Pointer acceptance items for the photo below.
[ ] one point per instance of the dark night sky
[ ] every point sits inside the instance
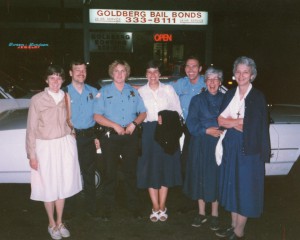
(271, 36)
(268, 31)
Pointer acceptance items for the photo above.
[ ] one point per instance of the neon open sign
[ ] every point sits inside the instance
(163, 37)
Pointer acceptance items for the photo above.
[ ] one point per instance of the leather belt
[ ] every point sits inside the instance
(88, 132)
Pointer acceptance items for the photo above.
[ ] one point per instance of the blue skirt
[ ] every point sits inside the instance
(155, 167)
(201, 178)
(241, 178)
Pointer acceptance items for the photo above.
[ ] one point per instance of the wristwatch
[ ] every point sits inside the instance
(134, 123)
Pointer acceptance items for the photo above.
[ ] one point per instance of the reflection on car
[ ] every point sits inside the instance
(138, 81)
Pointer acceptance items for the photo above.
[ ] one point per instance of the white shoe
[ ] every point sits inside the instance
(54, 232)
(64, 232)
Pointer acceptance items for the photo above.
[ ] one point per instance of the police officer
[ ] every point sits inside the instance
(82, 98)
(186, 88)
(120, 109)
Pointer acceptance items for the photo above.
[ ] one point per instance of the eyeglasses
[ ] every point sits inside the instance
(212, 79)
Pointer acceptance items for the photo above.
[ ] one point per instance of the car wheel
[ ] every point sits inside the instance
(98, 182)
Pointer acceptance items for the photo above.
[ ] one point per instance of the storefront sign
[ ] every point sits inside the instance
(110, 41)
(114, 16)
(28, 46)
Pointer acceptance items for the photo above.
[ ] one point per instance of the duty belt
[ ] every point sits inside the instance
(88, 132)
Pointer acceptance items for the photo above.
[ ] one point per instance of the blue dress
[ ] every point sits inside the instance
(201, 181)
(155, 167)
(242, 171)
(241, 177)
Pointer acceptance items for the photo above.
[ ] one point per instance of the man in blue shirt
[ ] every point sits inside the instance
(190, 85)
(186, 88)
(120, 109)
(82, 98)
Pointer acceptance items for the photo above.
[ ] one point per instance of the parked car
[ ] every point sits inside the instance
(12, 95)
(140, 81)
(14, 166)
(285, 138)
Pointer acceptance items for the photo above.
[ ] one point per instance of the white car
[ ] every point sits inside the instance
(14, 166)
(285, 138)
(13, 96)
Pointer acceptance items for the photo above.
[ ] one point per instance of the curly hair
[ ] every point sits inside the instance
(117, 62)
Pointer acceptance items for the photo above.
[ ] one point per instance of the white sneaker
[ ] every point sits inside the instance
(54, 232)
(64, 232)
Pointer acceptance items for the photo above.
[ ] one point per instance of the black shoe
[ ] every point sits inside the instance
(214, 223)
(225, 233)
(199, 220)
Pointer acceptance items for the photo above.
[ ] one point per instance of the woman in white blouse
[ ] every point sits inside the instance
(157, 170)
(246, 148)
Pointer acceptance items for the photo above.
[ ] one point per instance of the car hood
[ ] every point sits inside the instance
(13, 119)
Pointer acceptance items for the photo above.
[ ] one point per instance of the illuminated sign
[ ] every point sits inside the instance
(163, 37)
(112, 16)
(110, 41)
(28, 46)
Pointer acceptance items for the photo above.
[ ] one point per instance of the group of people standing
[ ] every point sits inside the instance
(226, 142)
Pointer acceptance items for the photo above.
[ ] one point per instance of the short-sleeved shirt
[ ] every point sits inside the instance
(82, 106)
(186, 90)
(163, 98)
(121, 107)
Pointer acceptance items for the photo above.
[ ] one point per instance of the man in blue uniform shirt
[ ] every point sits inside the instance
(120, 109)
(82, 98)
(186, 88)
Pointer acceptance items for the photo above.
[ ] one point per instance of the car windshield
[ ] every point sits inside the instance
(13, 119)
(10, 86)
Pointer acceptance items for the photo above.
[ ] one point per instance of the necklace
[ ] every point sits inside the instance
(240, 108)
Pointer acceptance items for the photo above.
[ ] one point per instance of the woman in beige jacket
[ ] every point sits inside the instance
(52, 152)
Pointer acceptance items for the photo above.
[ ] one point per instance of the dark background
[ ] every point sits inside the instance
(267, 31)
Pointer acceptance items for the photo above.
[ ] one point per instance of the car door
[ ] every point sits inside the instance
(285, 148)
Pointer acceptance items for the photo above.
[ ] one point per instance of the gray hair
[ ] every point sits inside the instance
(248, 62)
(211, 71)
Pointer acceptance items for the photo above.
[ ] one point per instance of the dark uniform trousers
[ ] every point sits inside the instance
(113, 147)
(87, 160)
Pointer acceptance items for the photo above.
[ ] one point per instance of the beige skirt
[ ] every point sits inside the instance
(58, 175)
